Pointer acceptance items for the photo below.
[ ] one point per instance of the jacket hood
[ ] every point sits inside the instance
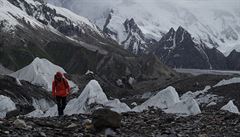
(59, 75)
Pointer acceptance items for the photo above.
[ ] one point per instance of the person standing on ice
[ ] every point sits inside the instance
(60, 90)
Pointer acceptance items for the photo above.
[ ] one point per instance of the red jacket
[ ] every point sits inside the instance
(60, 88)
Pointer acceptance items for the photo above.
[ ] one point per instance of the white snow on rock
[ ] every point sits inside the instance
(163, 99)
(227, 82)
(211, 104)
(168, 100)
(36, 113)
(41, 72)
(89, 72)
(51, 112)
(6, 105)
(230, 107)
(116, 105)
(91, 95)
(147, 95)
(18, 82)
(134, 104)
(185, 107)
(42, 104)
(201, 96)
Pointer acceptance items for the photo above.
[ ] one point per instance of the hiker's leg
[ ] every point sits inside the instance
(59, 104)
(64, 103)
(61, 107)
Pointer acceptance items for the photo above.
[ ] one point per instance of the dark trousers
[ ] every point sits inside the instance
(61, 103)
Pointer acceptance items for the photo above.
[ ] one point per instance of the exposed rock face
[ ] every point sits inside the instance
(105, 118)
(135, 41)
(131, 38)
(234, 60)
(178, 49)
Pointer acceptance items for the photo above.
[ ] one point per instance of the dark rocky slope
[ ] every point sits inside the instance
(178, 50)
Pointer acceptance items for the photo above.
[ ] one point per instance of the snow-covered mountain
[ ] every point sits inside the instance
(215, 23)
(40, 15)
(178, 50)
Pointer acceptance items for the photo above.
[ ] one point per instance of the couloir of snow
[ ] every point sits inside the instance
(227, 82)
(41, 72)
(168, 100)
(230, 107)
(6, 105)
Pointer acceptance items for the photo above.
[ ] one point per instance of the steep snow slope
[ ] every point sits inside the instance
(214, 22)
(41, 72)
(45, 16)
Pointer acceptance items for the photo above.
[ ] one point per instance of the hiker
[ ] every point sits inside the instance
(60, 90)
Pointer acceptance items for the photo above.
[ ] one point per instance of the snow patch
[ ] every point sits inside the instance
(91, 94)
(6, 105)
(185, 107)
(211, 104)
(42, 104)
(41, 72)
(227, 82)
(18, 82)
(163, 99)
(117, 106)
(168, 100)
(201, 96)
(36, 113)
(230, 107)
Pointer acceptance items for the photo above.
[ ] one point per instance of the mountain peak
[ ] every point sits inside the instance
(171, 31)
(180, 29)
